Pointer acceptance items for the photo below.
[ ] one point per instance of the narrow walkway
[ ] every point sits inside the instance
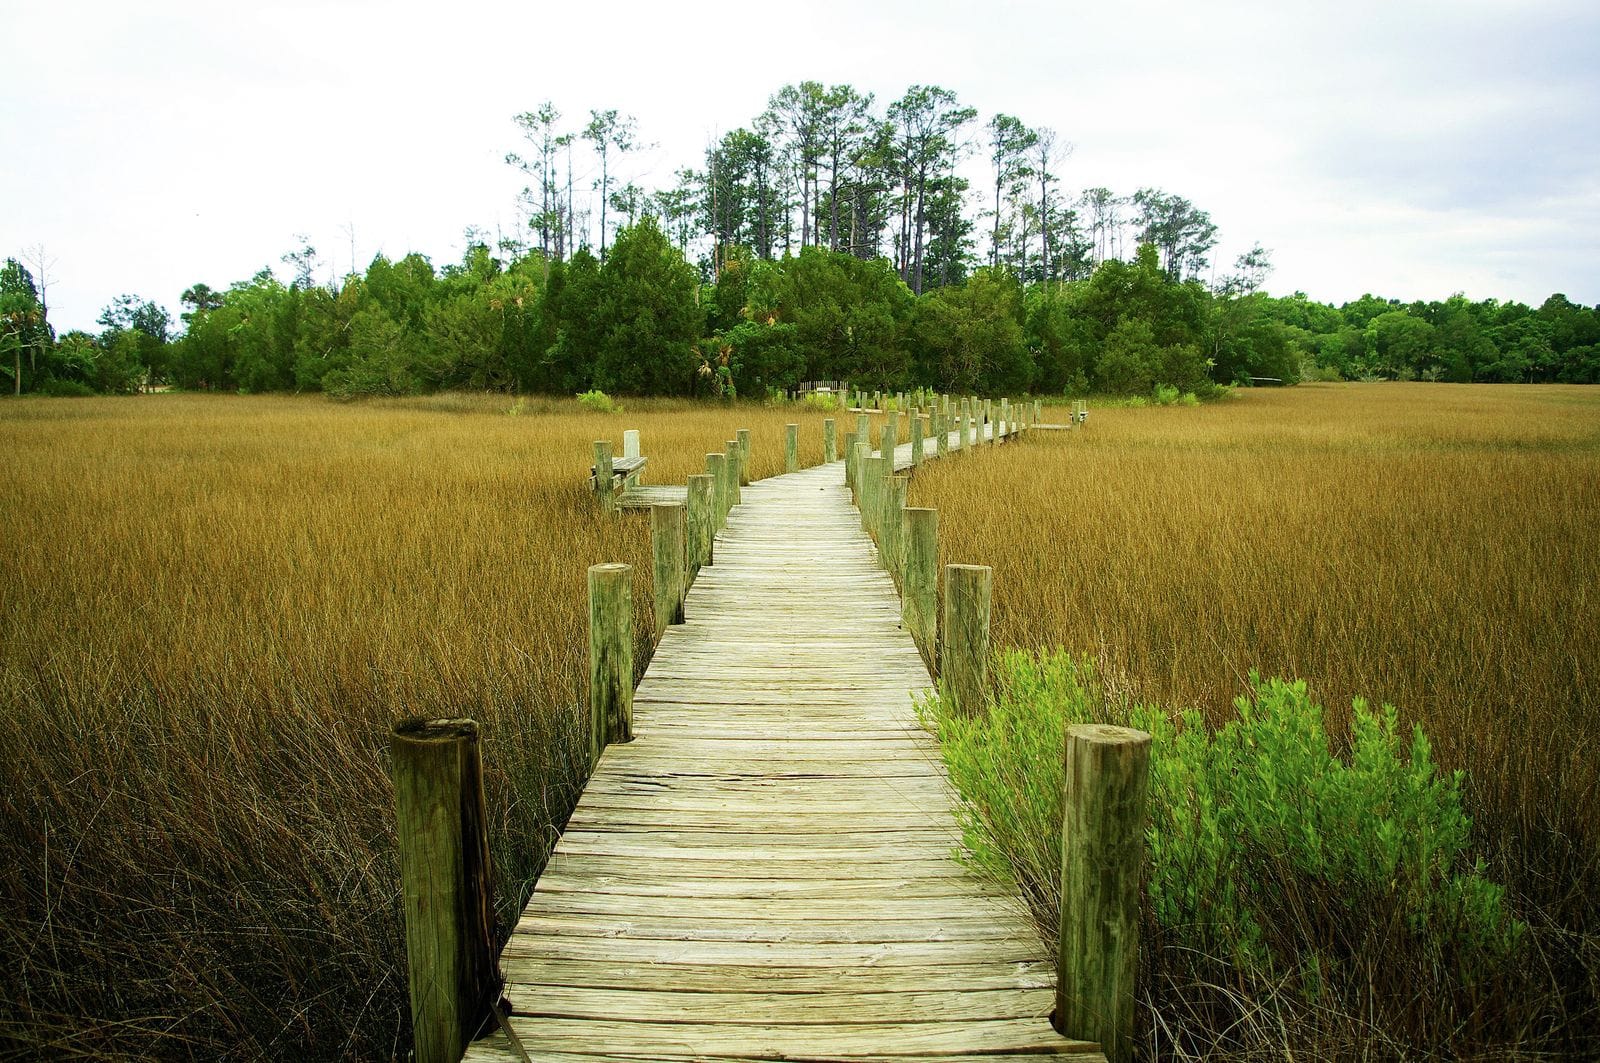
(767, 870)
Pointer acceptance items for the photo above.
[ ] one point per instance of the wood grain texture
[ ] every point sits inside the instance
(769, 869)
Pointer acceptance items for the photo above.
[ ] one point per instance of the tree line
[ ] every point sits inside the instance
(829, 238)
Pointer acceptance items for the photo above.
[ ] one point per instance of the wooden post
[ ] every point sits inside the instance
(964, 651)
(735, 496)
(445, 884)
(830, 445)
(744, 456)
(875, 489)
(717, 466)
(941, 433)
(630, 443)
(610, 657)
(850, 463)
(891, 435)
(890, 523)
(791, 448)
(919, 568)
(602, 474)
(863, 428)
(859, 486)
(1102, 858)
(916, 439)
(701, 519)
(668, 557)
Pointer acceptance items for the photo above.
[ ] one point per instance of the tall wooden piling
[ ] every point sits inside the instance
(735, 460)
(668, 552)
(964, 642)
(919, 572)
(875, 477)
(1102, 858)
(603, 471)
(791, 448)
(859, 484)
(717, 466)
(610, 656)
(891, 435)
(917, 435)
(830, 446)
(890, 525)
(441, 828)
(702, 522)
(744, 456)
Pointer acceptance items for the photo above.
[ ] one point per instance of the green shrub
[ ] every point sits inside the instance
(66, 389)
(1188, 398)
(597, 401)
(821, 401)
(1166, 395)
(1267, 851)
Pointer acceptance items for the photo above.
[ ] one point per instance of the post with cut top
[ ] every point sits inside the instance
(603, 471)
(859, 484)
(941, 433)
(610, 657)
(735, 496)
(964, 645)
(873, 491)
(446, 888)
(919, 567)
(630, 443)
(791, 448)
(701, 520)
(744, 456)
(890, 525)
(863, 428)
(850, 463)
(830, 445)
(668, 557)
(916, 439)
(717, 466)
(891, 434)
(1102, 858)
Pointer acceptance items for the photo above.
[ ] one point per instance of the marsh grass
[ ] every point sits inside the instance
(213, 609)
(1436, 547)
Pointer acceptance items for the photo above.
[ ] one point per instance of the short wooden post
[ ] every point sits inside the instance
(890, 523)
(891, 435)
(1102, 858)
(830, 444)
(630, 443)
(701, 519)
(446, 888)
(744, 456)
(916, 439)
(791, 448)
(668, 558)
(863, 428)
(735, 496)
(603, 471)
(919, 568)
(717, 466)
(964, 649)
(610, 657)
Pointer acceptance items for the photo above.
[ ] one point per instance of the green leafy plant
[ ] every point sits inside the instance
(597, 401)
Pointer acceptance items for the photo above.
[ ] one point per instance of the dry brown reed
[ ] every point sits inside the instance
(1432, 546)
(213, 608)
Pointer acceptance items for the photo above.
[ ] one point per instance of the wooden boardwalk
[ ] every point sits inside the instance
(767, 870)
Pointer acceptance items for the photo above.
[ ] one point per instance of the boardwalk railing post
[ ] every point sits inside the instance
(850, 462)
(735, 460)
(891, 435)
(717, 466)
(890, 525)
(964, 642)
(863, 455)
(610, 657)
(1102, 857)
(791, 448)
(603, 472)
(919, 587)
(875, 488)
(443, 837)
(668, 563)
(744, 456)
(830, 445)
(916, 438)
(941, 432)
(701, 518)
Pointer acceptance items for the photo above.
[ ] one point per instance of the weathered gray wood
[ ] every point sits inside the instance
(610, 656)
(1102, 858)
(919, 587)
(604, 489)
(891, 524)
(889, 438)
(701, 517)
(850, 462)
(878, 472)
(917, 433)
(941, 432)
(717, 467)
(791, 448)
(744, 456)
(863, 428)
(668, 550)
(964, 641)
(446, 885)
(734, 462)
(830, 446)
(630, 444)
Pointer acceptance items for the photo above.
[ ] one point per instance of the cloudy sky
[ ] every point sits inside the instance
(1410, 149)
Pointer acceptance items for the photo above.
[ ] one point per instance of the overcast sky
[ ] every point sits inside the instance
(1403, 148)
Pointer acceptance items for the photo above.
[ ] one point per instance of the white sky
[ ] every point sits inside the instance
(1410, 149)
